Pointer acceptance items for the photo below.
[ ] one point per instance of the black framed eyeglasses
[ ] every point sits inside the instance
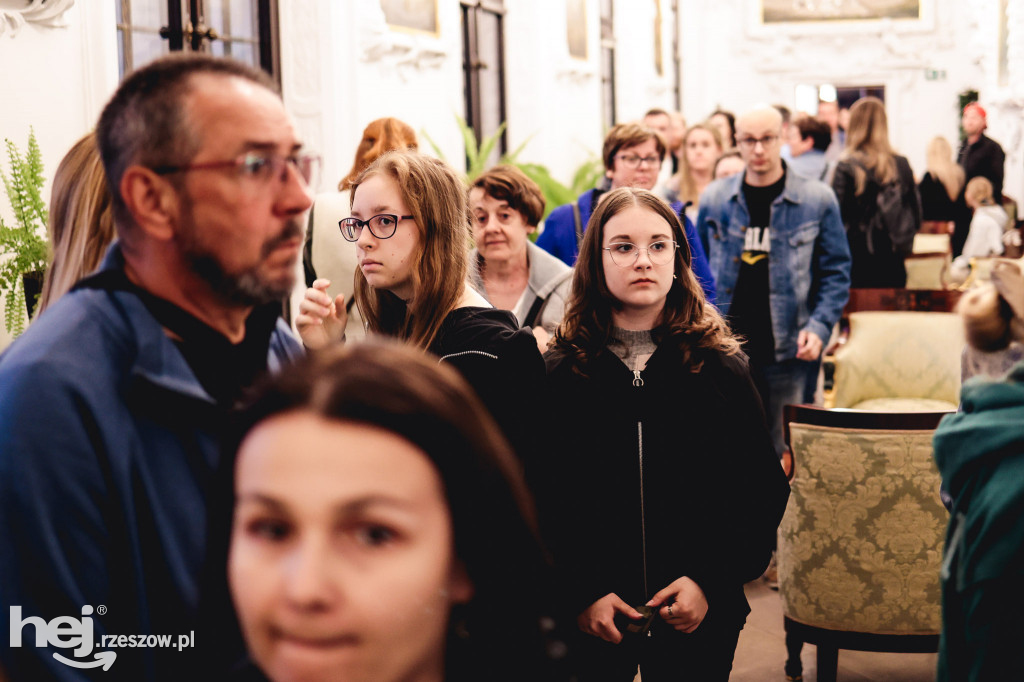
(261, 167)
(749, 143)
(382, 226)
(634, 161)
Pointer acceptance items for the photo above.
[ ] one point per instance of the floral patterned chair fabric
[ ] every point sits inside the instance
(860, 545)
(900, 361)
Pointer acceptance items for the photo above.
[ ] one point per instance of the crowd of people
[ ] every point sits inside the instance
(546, 460)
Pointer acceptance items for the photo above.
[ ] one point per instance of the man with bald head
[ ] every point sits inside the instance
(781, 263)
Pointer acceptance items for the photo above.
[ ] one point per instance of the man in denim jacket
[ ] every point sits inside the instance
(781, 263)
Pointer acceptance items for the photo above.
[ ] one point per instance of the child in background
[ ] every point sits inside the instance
(986, 234)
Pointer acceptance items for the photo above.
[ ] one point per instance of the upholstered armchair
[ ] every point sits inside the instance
(899, 362)
(928, 265)
(860, 545)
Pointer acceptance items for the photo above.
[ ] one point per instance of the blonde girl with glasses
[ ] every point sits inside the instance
(410, 222)
(662, 492)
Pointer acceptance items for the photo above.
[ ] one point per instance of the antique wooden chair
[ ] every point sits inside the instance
(860, 545)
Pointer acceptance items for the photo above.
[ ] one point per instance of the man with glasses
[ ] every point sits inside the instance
(633, 154)
(780, 259)
(113, 402)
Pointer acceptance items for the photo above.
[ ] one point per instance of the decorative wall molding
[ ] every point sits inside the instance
(43, 12)
(379, 43)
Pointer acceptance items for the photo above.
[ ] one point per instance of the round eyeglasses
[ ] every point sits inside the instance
(625, 254)
(382, 226)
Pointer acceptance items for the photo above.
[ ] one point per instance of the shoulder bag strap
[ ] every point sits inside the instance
(531, 317)
(579, 224)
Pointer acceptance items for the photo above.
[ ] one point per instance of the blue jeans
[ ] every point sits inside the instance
(781, 384)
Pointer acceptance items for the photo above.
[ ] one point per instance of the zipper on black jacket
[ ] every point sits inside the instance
(643, 508)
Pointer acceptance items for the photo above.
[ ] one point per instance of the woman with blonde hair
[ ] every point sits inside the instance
(943, 179)
(878, 198)
(657, 418)
(326, 255)
(701, 148)
(411, 227)
(81, 224)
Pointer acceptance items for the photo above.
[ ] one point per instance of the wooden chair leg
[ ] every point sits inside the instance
(828, 663)
(794, 666)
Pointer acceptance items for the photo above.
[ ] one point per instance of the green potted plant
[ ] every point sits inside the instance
(23, 245)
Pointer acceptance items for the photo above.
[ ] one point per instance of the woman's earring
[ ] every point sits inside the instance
(675, 276)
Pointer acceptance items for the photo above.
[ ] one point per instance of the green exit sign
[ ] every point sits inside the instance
(935, 74)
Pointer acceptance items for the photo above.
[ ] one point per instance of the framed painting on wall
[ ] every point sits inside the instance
(419, 16)
(789, 11)
(576, 21)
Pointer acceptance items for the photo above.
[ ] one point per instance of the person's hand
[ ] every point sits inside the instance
(321, 321)
(808, 345)
(599, 618)
(542, 338)
(682, 604)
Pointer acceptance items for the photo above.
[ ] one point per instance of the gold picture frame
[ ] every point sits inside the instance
(412, 16)
(576, 25)
(788, 12)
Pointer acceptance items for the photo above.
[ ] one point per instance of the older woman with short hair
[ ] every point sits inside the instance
(509, 270)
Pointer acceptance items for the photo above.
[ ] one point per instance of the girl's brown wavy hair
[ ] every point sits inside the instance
(687, 318)
(436, 198)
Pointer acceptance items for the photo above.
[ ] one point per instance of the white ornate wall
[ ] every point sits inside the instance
(55, 76)
(732, 60)
(342, 67)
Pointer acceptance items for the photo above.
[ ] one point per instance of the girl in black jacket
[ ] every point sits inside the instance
(662, 489)
(411, 227)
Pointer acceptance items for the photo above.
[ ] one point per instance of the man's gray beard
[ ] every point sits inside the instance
(245, 288)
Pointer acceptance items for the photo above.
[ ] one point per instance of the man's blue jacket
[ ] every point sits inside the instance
(108, 447)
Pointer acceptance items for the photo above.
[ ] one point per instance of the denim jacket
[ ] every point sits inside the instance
(809, 265)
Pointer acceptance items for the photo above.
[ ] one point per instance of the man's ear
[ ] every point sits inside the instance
(152, 201)
(460, 587)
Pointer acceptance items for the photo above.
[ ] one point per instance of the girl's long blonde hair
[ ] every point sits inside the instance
(940, 164)
(683, 178)
(436, 198)
(867, 141)
(81, 222)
